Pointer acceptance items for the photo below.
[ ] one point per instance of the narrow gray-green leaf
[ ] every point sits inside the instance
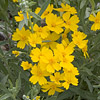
(21, 24)
(45, 5)
(25, 18)
(4, 80)
(92, 4)
(5, 96)
(18, 83)
(89, 84)
(35, 16)
(82, 4)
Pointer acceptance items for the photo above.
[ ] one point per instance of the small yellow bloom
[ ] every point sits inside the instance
(15, 0)
(36, 98)
(52, 37)
(69, 79)
(51, 62)
(47, 11)
(71, 22)
(26, 65)
(41, 31)
(21, 16)
(96, 20)
(38, 75)
(16, 53)
(37, 10)
(84, 50)
(78, 39)
(66, 8)
(54, 23)
(51, 87)
(22, 37)
(56, 78)
(34, 39)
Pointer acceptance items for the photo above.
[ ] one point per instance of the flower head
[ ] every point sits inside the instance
(21, 16)
(67, 8)
(51, 87)
(16, 53)
(54, 23)
(22, 37)
(34, 39)
(38, 75)
(26, 65)
(70, 22)
(96, 20)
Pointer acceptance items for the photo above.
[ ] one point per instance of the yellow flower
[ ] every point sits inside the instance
(34, 39)
(71, 70)
(62, 51)
(70, 22)
(66, 8)
(26, 65)
(84, 50)
(15, 0)
(47, 11)
(50, 61)
(21, 16)
(96, 20)
(37, 53)
(65, 40)
(69, 79)
(56, 78)
(54, 23)
(16, 53)
(51, 87)
(36, 98)
(41, 31)
(52, 37)
(37, 10)
(22, 37)
(66, 61)
(78, 39)
(38, 75)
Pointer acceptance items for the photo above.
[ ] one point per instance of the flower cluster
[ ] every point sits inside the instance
(52, 50)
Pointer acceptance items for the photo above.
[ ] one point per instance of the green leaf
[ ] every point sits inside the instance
(5, 96)
(25, 18)
(18, 83)
(3, 88)
(45, 5)
(3, 68)
(89, 84)
(82, 4)
(4, 80)
(83, 93)
(65, 95)
(92, 4)
(35, 16)
(21, 24)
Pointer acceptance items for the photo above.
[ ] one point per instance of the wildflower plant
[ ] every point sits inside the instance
(52, 52)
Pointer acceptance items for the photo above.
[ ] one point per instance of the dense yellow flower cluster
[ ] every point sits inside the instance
(52, 50)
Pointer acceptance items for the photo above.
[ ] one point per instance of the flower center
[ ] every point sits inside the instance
(97, 21)
(53, 24)
(68, 23)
